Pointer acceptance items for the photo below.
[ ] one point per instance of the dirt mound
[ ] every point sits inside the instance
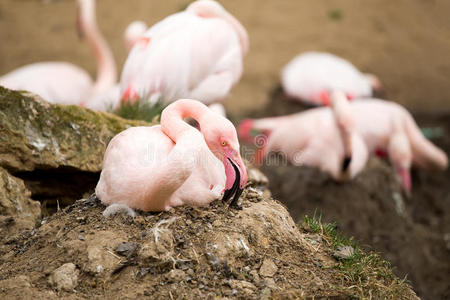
(412, 233)
(254, 253)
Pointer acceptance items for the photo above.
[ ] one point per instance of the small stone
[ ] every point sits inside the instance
(270, 283)
(126, 249)
(81, 237)
(268, 268)
(247, 288)
(65, 277)
(266, 294)
(344, 252)
(176, 275)
(255, 275)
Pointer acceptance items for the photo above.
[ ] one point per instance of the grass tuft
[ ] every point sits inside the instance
(366, 274)
(140, 109)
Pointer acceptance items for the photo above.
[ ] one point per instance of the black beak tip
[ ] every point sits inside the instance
(346, 163)
(235, 189)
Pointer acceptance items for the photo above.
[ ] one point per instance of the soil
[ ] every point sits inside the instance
(188, 253)
(412, 233)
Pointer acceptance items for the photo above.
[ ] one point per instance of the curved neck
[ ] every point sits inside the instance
(106, 66)
(344, 119)
(172, 118)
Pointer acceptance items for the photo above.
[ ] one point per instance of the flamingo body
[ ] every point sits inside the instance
(56, 82)
(185, 55)
(65, 83)
(309, 75)
(155, 160)
(159, 167)
(311, 138)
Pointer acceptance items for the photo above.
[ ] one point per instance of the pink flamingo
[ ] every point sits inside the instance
(311, 76)
(65, 83)
(320, 137)
(159, 167)
(366, 127)
(389, 127)
(195, 54)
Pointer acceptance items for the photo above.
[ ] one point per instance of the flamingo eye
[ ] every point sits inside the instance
(224, 143)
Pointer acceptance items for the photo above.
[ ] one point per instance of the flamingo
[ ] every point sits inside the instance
(321, 137)
(63, 82)
(163, 166)
(388, 127)
(366, 127)
(195, 54)
(311, 76)
(134, 31)
(109, 99)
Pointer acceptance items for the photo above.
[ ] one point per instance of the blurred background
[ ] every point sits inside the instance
(405, 42)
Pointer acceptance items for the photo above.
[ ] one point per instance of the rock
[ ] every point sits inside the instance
(242, 286)
(268, 268)
(65, 277)
(17, 210)
(175, 276)
(126, 249)
(270, 283)
(20, 287)
(344, 252)
(255, 176)
(40, 135)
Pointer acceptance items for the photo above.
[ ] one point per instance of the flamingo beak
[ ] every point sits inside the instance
(236, 189)
(236, 177)
(405, 179)
(348, 153)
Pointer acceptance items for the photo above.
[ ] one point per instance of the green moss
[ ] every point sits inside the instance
(35, 132)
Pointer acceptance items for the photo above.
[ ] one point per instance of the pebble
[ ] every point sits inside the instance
(176, 275)
(344, 252)
(268, 268)
(126, 249)
(65, 277)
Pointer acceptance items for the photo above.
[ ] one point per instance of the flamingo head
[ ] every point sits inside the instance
(212, 9)
(133, 33)
(375, 83)
(221, 138)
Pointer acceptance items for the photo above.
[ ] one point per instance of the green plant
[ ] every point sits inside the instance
(140, 109)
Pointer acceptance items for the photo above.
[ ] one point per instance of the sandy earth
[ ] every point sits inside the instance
(405, 42)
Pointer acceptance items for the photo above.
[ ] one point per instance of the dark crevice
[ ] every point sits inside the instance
(61, 186)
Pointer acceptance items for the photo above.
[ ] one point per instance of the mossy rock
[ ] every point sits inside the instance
(35, 134)
(49, 153)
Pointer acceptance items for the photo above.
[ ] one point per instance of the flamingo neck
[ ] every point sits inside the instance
(172, 118)
(341, 111)
(106, 66)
